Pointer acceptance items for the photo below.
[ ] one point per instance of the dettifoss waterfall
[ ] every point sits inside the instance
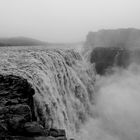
(63, 85)
(68, 94)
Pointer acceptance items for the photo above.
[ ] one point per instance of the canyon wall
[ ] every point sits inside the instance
(109, 48)
(129, 38)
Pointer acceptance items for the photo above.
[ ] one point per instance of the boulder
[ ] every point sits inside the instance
(3, 110)
(61, 138)
(33, 129)
(57, 132)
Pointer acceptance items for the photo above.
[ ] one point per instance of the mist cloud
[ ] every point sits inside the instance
(117, 107)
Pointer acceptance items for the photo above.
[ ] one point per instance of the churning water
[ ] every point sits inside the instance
(117, 109)
(65, 88)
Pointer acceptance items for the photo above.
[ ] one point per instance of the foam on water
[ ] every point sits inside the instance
(117, 109)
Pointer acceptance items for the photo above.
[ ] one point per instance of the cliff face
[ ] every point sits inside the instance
(105, 58)
(16, 105)
(108, 48)
(129, 38)
(63, 85)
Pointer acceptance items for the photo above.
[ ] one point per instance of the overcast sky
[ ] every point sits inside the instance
(65, 20)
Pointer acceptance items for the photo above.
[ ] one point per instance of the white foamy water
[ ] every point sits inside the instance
(63, 84)
(65, 93)
(117, 109)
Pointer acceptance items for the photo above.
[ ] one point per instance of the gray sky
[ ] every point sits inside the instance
(65, 20)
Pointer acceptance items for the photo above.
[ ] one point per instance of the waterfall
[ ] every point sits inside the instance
(63, 84)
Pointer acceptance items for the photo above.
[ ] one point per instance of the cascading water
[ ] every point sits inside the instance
(63, 84)
(117, 108)
(67, 97)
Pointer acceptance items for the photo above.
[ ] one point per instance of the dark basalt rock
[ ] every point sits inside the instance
(17, 117)
(27, 138)
(61, 138)
(105, 58)
(16, 104)
(57, 132)
(34, 129)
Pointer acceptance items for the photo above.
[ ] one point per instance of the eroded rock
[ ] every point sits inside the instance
(14, 113)
(17, 118)
(34, 129)
(57, 132)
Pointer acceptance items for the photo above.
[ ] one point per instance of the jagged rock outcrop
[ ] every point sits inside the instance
(45, 90)
(17, 114)
(107, 48)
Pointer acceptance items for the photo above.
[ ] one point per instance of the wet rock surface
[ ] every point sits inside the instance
(16, 104)
(17, 118)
